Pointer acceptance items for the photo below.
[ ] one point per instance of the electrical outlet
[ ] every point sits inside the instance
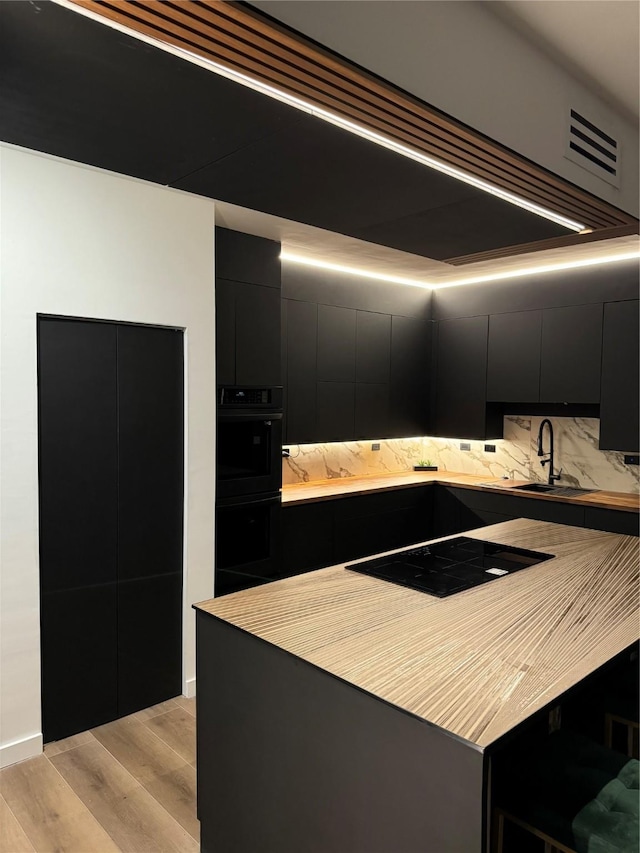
(285, 452)
(489, 448)
(375, 446)
(631, 459)
(464, 445)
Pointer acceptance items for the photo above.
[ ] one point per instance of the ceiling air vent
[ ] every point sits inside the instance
(592, 148)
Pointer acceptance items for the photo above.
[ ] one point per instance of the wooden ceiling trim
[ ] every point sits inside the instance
(541, 245)
(240, 39)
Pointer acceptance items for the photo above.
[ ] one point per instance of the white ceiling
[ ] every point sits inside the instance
(598, 41)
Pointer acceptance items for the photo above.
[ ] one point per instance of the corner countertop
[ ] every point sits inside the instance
(475, 664)
(349, 486)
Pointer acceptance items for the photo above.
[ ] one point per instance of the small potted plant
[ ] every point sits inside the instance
(425, 465)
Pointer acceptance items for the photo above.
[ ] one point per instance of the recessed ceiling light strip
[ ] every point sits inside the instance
(335, 119)
(327, 265)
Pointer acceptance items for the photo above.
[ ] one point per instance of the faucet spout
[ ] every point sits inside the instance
(541, 451)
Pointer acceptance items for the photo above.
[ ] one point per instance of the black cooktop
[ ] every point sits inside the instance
(445, 568)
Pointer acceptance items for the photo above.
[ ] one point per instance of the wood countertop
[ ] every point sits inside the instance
(477, 663)
(350, 486)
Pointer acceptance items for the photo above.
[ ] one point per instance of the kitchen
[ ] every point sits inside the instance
(119, 268)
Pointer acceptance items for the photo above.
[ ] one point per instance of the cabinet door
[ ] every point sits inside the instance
(513, 361)
(150, 450)
(244, 257)
(461, 379)
(79, 659)
(372, 411)
(225, 332)
(257, 335)
(336, 344)
(149, 642)
(410, 369)
(78, 446)
(619, 424)
(373, 347)
(307, 537)
(302, 354)
(336, 411)
(598, 518)
(571, 354)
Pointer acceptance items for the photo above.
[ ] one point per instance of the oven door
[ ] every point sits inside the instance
(247, 542)
(249, 453)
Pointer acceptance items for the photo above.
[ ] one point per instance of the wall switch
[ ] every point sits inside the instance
(631, 459)
(285, 452)
(489, 448)
(375, 446)
(464, 445)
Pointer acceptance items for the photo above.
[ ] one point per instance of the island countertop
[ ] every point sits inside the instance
(475, 664)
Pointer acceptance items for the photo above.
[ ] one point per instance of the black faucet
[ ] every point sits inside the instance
(541, 452)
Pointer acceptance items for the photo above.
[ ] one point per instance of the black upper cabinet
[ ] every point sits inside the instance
(513, 362)
(336, 411)
(409, 377)
(248, 310)
(150, 447)
(372, 410)
(571, 354)
(619, 426)
(461, 379)
(336, 344)
(300, 381)
(78, 436)
(373, 347)
(257, 335)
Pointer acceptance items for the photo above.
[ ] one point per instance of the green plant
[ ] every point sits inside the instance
(425, 463)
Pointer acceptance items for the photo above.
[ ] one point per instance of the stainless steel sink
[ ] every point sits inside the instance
(561, 491)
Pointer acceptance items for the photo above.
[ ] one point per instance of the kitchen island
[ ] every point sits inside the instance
(345, 714)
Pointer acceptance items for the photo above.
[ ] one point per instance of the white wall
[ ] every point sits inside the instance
(81, 242)
(464, 60)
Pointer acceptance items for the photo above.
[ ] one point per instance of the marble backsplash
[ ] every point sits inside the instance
(575, 450)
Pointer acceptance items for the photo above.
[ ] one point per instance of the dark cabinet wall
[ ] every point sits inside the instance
(301, 346)
(111, 509)
(619, 424)
(513, 361)
(373, 347)
(410, 377)
(248, 310)
(571, 354)
(336, 344)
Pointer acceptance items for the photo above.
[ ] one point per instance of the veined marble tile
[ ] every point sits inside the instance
(575, 451)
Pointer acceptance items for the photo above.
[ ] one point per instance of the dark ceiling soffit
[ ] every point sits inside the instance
(246, 41)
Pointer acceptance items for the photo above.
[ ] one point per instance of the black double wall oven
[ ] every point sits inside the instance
(248, 482)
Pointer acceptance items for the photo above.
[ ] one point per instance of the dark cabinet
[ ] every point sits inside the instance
(335, 418)
(513, 360)
(307, 537)
(619, 425)
(410, 370)
(248, 310)
(373, 347)
(613, 521)
(461, 380)
(110, 403)
(371, 411)
(571, 354)
(301, 377)
(336, 344)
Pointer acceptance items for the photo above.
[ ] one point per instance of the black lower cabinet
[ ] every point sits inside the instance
(613, 521)
(307, 537)
(79, 659)
(149, 641)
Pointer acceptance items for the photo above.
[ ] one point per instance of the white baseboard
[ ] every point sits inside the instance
(19, 750)
(190, 688)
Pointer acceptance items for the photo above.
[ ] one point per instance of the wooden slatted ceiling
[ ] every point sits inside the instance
(240, 39)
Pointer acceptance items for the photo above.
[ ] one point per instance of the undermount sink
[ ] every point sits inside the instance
(565, 491)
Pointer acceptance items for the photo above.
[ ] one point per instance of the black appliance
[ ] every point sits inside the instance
(249, 441)
(444, 568)
(248, 481)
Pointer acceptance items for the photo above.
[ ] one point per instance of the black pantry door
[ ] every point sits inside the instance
(110, 400)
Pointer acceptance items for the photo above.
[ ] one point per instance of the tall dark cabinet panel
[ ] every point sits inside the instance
(257, 335)
(410, 367)
(571, 354)
(301, 378)
(336, 344)
(336, 403)
(619, 423)
(225, 331)
(111, 444)
(461, 381)
(513, 362)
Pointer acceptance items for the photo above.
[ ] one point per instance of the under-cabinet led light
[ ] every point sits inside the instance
(480, 279)
(335, 119)
(325, 265)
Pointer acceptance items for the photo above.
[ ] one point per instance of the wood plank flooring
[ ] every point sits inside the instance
(125, 787)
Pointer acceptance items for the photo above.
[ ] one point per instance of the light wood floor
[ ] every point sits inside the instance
(127, 786)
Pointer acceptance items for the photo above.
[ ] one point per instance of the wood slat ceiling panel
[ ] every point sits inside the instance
(241, 40)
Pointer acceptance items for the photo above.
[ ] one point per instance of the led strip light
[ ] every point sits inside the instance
(335, 119)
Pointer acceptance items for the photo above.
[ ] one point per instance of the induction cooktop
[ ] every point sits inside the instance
(444, 568)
